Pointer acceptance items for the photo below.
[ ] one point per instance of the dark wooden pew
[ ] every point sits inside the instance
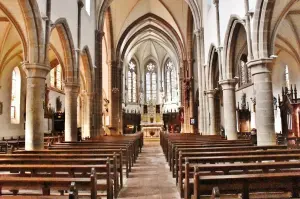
(247, 183)
(46, 184)
(175, 160)
(126, 158)
(189, 170)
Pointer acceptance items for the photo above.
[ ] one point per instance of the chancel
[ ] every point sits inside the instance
(149, 99)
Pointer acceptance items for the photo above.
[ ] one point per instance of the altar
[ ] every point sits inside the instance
(151, 130)
(152, 123)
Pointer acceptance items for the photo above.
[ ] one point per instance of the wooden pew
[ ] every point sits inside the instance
(230, 169)
(247, 183)
(46, 184)
(112, 157)
(73, 194)
(126, 160)
(104, 165)
(183, 155)
(218, 149)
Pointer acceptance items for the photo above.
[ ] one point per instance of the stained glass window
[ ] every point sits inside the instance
(52, 77)
(56, 77)
(151, 83)
(287, 76)
(15, 96)
(132, 82)
(245, 73)
(170, 81)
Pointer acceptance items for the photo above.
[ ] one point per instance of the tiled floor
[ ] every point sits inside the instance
(150, 176)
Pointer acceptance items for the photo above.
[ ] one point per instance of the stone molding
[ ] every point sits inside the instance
(210, 93)
(259, 66)
(228, 84)
(36, 70)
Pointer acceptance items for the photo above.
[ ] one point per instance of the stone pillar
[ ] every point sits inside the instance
(228, 87)
(198, 34)
(97, 103)
(211, 105)
(89, 114)
(71, 94)
(35, 103)
(264, 100)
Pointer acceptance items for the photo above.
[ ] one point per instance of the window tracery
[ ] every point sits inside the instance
(56, 77)
(132, 82)
(151, 82)
(170, 81)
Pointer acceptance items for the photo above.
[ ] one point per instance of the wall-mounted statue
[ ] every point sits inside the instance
(58, 104)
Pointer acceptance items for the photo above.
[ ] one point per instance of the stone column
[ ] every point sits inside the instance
(198, 34)
(228, 87)
(211, 105)
(71, 94)
(264, 100)
(35, 103)
(97, 103)
(89, 114)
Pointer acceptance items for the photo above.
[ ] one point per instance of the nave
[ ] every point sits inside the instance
(150, 177)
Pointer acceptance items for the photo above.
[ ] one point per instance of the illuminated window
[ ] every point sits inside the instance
(56, 77)
(132, 81)
(52, 78)
(287, 76)
(88, 6)
(151, 85)
(245, 73)
(15, 96)
(170, 81)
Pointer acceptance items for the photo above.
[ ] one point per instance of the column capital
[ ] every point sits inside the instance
(262, 65)
(34, 70)
(71, 87)
(199, 32)
(210, 93)
(228, 84)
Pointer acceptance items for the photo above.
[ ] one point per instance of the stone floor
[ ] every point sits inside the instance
(150, 176)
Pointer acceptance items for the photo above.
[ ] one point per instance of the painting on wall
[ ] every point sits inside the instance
(1, 108)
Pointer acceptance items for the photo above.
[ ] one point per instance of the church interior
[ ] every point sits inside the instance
(149, 99)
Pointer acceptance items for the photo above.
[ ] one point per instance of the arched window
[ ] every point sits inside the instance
(170, 81)
(286, 76)
(151, 86)
(132, 82)
(56, 77)
(245, 74)
(15, 96)
(88, 6)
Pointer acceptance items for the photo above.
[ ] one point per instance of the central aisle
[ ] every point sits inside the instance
(150, 176)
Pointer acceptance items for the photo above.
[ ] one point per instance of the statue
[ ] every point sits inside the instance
(58, 104)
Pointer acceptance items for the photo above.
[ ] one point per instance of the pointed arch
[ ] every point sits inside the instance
(88, 68)
(211, 66)
(231, 38)
(66, 40)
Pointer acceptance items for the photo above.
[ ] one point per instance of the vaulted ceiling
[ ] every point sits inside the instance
(288, 32)
(11, 49)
